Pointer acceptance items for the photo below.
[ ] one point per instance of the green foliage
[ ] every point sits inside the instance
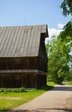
(66, 34)
(51, 83)
(70, 76)
(58, 68)
(66, 7)
(60, 57)
(16, 90)
(70, 83)
(66, 37)
(59, 50)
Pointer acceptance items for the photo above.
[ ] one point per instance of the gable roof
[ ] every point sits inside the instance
(21, 41)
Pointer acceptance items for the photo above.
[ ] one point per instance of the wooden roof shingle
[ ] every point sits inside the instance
(21, 41)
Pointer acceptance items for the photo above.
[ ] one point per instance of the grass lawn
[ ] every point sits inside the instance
(70, 83)
(51, 83)
(9, 100)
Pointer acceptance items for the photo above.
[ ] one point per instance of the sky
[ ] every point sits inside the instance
(33, 12)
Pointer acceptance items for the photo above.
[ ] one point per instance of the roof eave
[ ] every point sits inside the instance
(45, 31)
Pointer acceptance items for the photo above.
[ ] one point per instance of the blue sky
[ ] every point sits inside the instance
(31, 12)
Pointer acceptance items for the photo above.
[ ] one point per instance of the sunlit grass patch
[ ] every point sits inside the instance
(11, 100)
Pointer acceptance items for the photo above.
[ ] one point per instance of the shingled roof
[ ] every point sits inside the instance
(21, 41)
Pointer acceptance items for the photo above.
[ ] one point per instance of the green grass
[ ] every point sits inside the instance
(51, 83)
(69, 83)
(10, 100)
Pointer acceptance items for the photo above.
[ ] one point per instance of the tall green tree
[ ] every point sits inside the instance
(59, 56)
(66, 7)
(58, 68)
(66, 34)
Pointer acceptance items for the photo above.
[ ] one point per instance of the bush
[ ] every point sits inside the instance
(16, 90)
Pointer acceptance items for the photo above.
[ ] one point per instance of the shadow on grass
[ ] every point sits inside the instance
(46, 88)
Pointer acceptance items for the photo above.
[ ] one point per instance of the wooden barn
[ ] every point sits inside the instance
(23, 58)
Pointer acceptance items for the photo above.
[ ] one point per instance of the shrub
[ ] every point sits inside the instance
(16, 90)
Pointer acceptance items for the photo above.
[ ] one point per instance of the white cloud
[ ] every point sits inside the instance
(60, 26)
(52, 32)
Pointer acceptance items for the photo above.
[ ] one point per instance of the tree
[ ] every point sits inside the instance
(66, 35)
(66, 7)
(59, 56)
(58, 68)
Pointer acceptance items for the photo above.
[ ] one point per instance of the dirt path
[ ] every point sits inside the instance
(58, 99)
